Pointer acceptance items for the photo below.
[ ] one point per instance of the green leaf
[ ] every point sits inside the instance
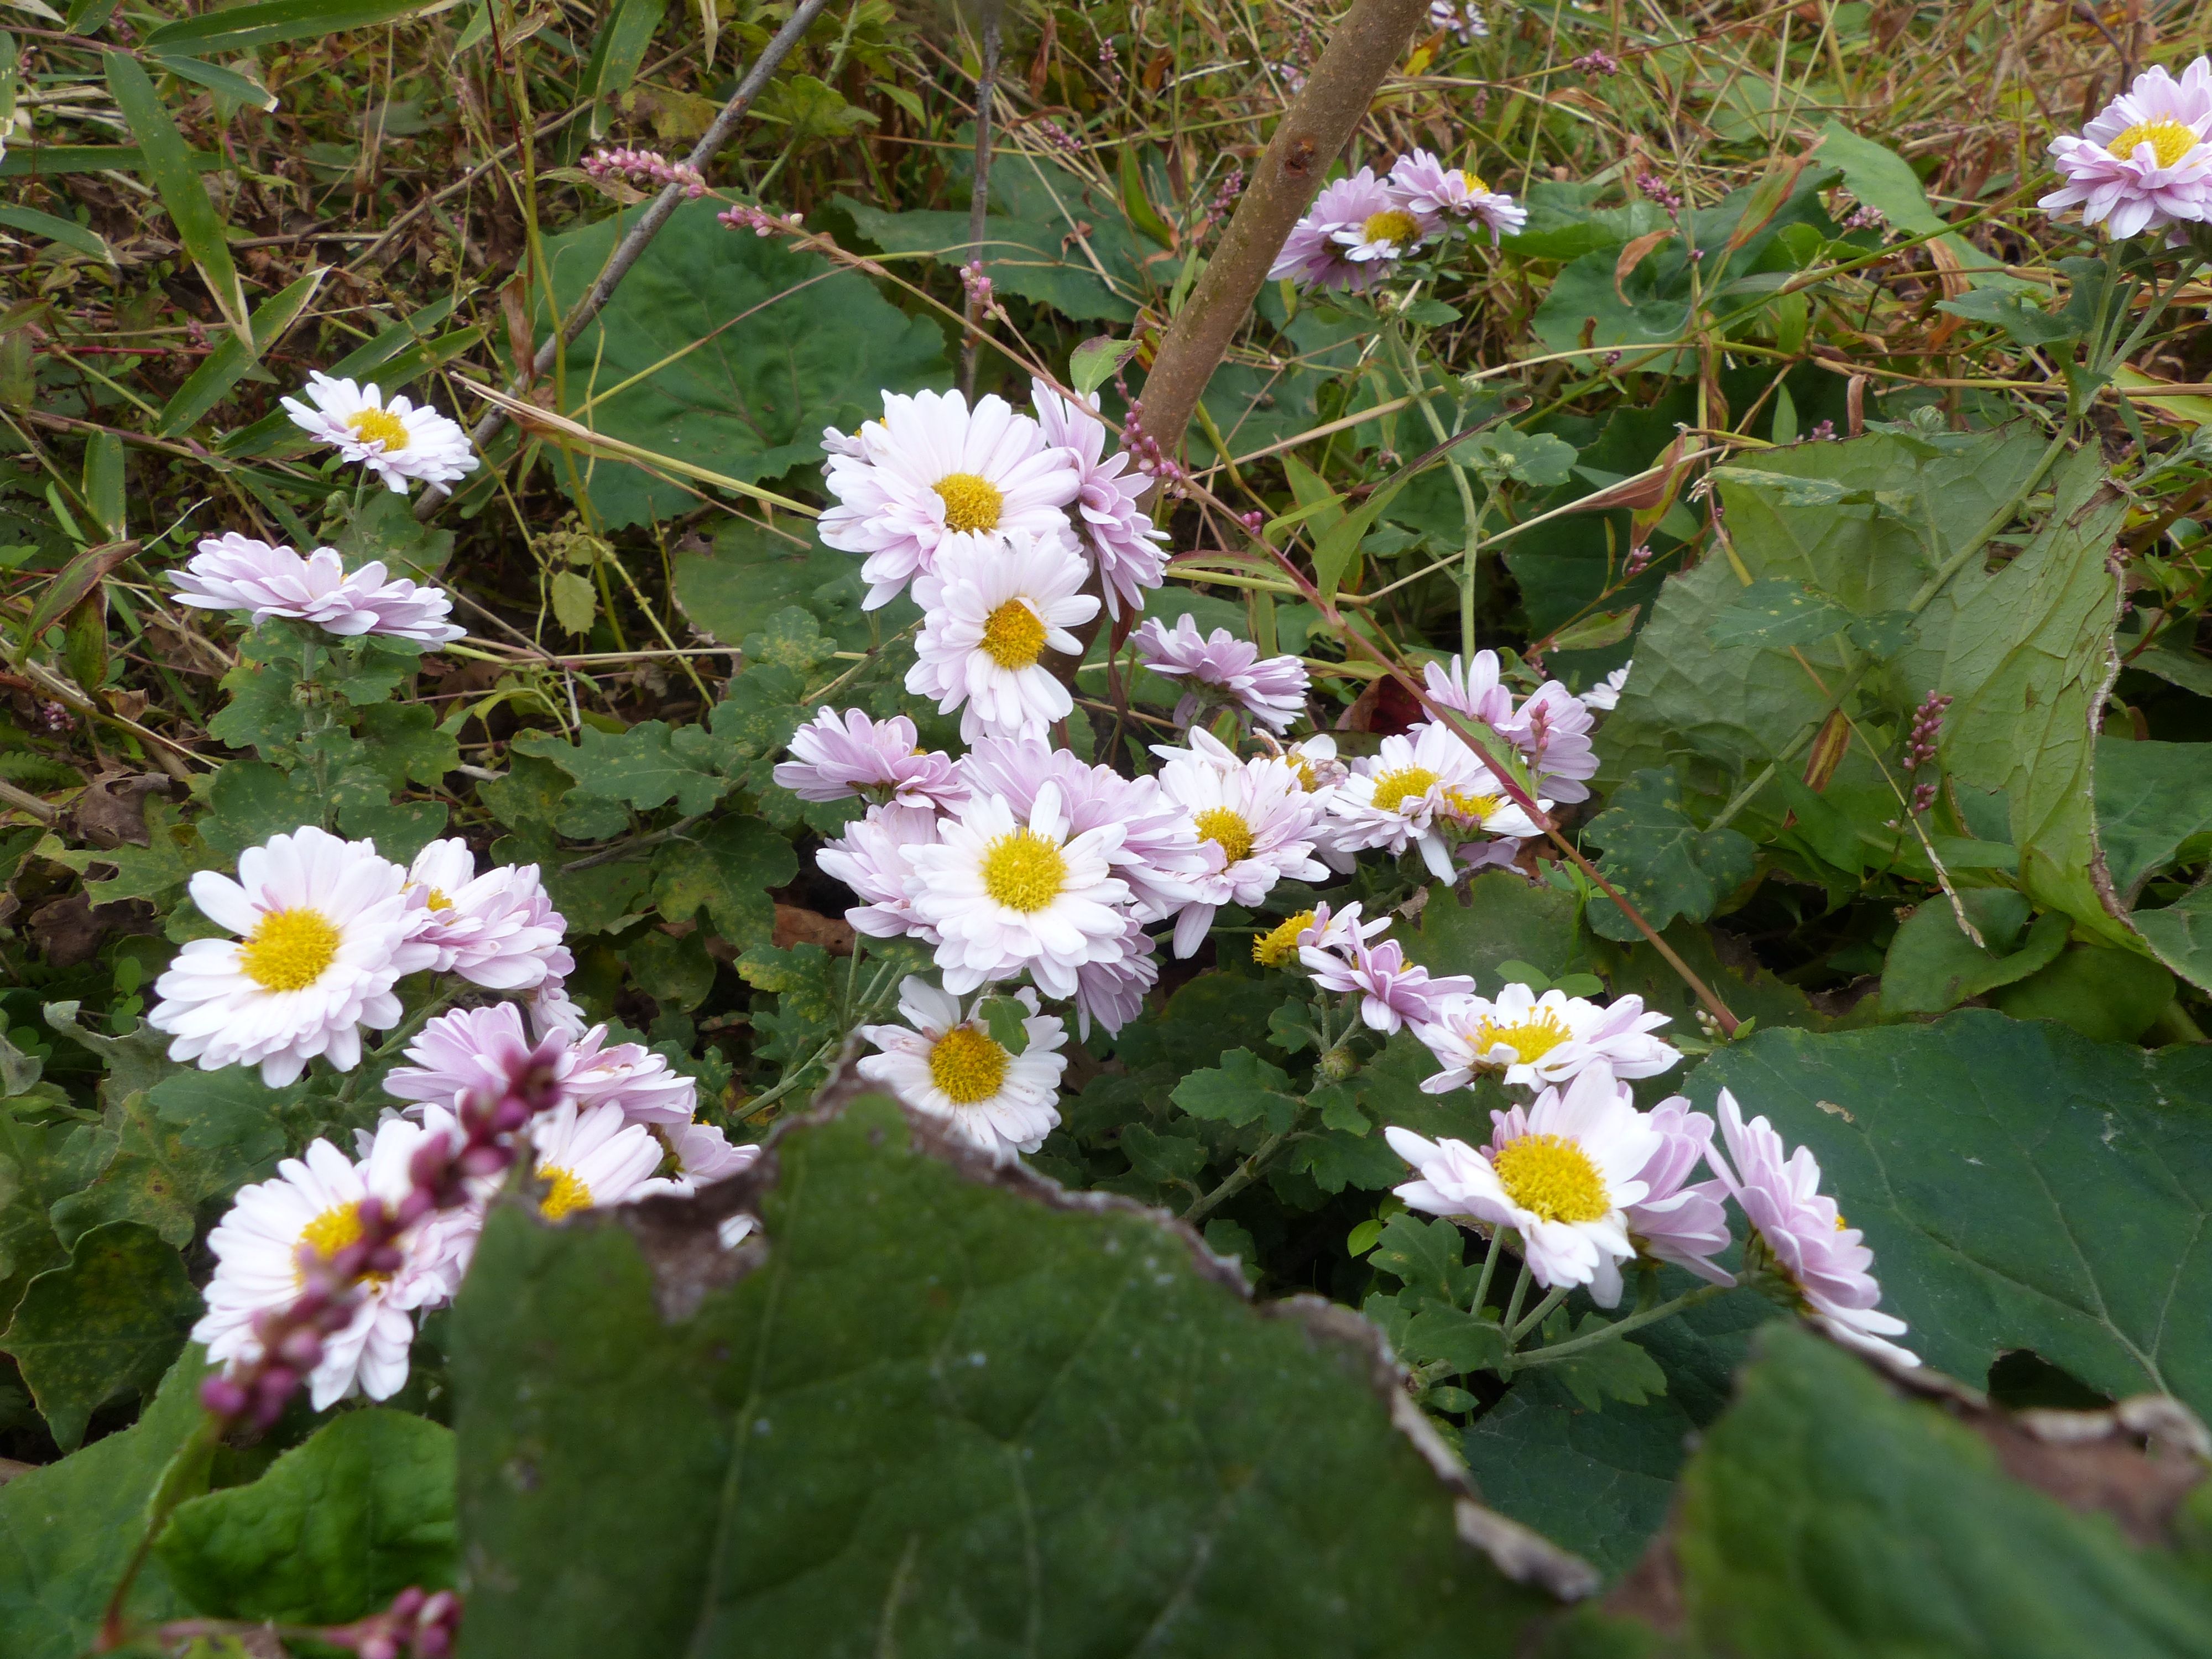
(792, 639)
(405, 745)
(242, 29)
(241, 90)
(106, 1324)
(54, 160)
(2107, 994)
(38, 1165)
(751, 574)
(168, 166)
(1461, 1340)
(1536, 458)
(809, 987)
(1774, 613)
(1662, 862)
(1826, 1515)
(620, 48)
(676, 973)
(2012, 1179)
(159, 1168)
(769, 345)
(1006, 1019)
(1932, 966)
(225, 365)
(1093, 363)
(1616, 1371)
(2153, 800)
(1885, 181)
(575, 601)
(528, 793)
(649, 766)
(2023, 321)
(1334, 550)
(250, 801)
(727, 868)
(1426, 1256)
(70, 233)
(68, 1530)
(1243, 1089)
(1056, 1430)
(333, 1530)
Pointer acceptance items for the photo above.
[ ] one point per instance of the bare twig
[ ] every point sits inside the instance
(979, 192)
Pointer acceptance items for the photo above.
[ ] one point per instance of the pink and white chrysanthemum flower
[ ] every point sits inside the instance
(553, 1010)
(1113, 993)
(1680, 1220)
(1006, 893)
(1255, 813)
(1427, 790)
(1312, 257)
(591, 1158)
(402, 442)
(1562, 1175)
(1131, 553)
(1531, 1041)
(1463, 17)
(931, 476)
(1552, 729)
(325, 931)
(990, 613)
(476, 1051)
(1317, 928)
(1472, 687)
(835, 757)
(870, 858)
(1605, 695)
(1434, 193)
(2145, 163)
(312, 1204)
(629, 1075)
(1221, 668)
(1161, 856)
(498, 930)
(945, 1063)
(231, 571)
(1394, 992)
(1800, 1236)
(704, 1155)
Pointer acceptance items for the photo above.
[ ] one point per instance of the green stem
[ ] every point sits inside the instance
(1520, 1291)
(1489, 1269)
(1243, 1176)
(1618, 1328)
(1519, 1333)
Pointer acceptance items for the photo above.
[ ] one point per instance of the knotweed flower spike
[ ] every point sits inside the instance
(497, 930)
(1560, 1174)
(945, 1063)
(1529, 1040)
(645, 167)
(990, 613)
(836, 756)
(312, 1205)
(233, 572)
(401, 443)
(1220, 668)
(932, 475)
(1801, 1243)
(325, 930)
(2145, 163)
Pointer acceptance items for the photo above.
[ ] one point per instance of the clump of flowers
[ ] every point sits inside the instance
(2145, 163)
(1361, 227)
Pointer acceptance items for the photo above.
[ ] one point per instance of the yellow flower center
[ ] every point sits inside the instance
(1474, 182)
(331, 1232)
(1552, 1178)
(1024, 872)
(971, 503)
(1274, 949)
(1391, 788)
(1392, 225)
(1013, 637)
(2169, 140)
(437, 901)
(1470, 809)
(1530, 1040)
(289, 950)
(1309, 780)
(378, 425)
(966, 1064)
(568, 1194)
(1227, 831)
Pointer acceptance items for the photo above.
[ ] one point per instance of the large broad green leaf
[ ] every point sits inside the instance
(332, 1531)
(68, 1530)
(1659, 860)
(2154, 808)
(950, 1410)
(740, 350)
(107, 1321)
(1827, 1517)
(750, 573)
(2020, 1187)
(1885, 181)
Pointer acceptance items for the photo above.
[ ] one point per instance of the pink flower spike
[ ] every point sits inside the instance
(838, 755)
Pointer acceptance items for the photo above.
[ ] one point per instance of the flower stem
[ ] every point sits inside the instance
(1489, 1269)
(1519, 1333)
(1519, 1291)
(1618, 1328)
